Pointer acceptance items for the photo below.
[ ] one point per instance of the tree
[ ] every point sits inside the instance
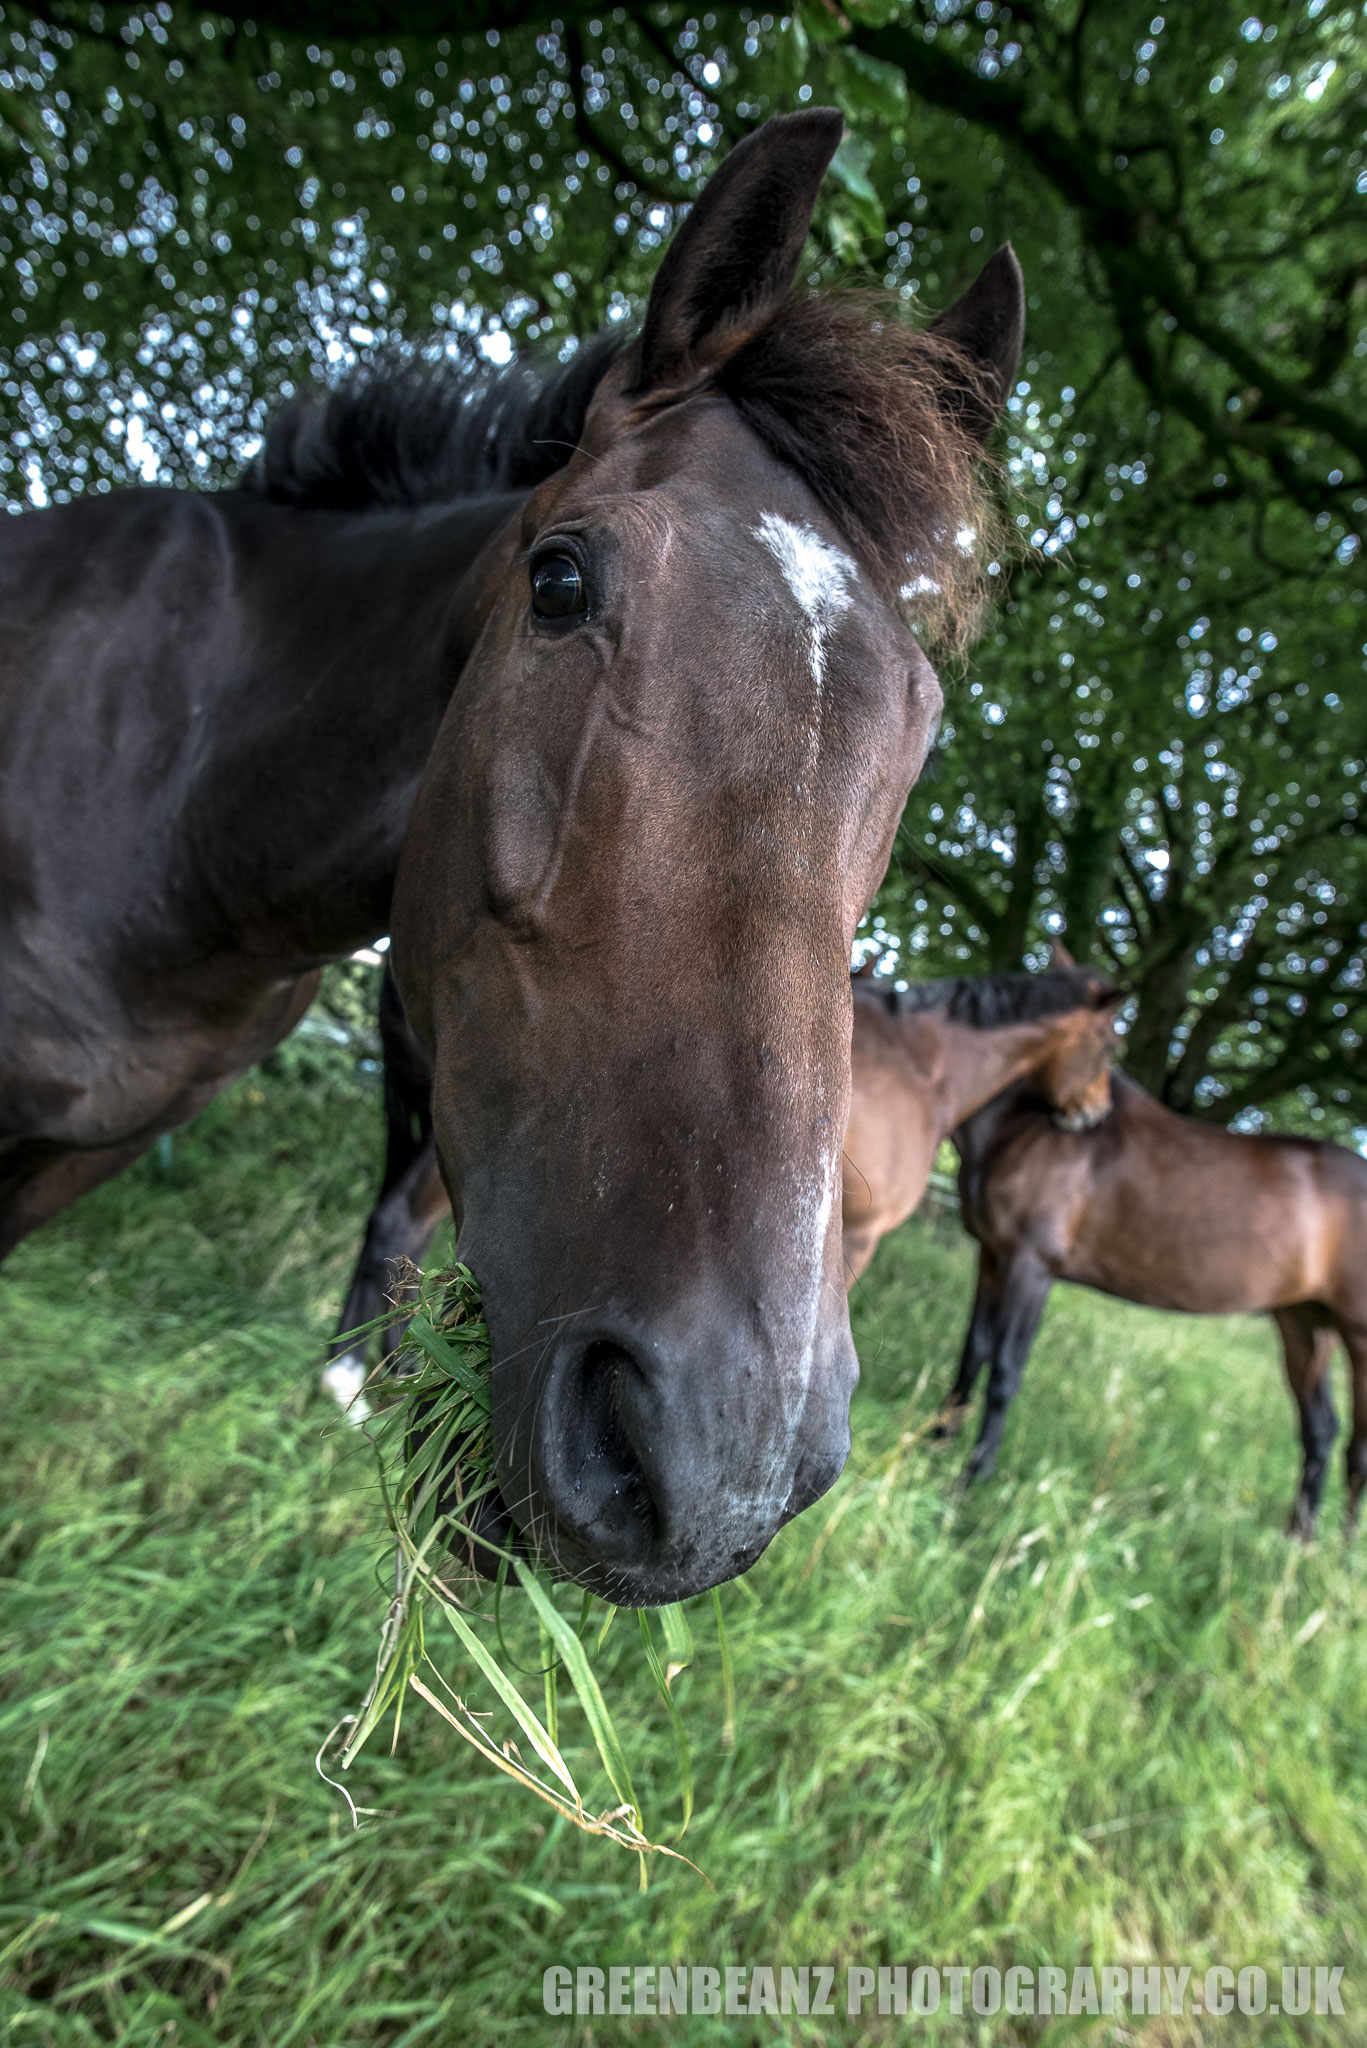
(1160, 745)
(1165, 750)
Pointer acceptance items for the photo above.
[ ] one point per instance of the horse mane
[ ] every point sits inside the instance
(422, 426)
(987, 1001)
(868, 410)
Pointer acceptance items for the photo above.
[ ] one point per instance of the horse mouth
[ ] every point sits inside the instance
(490, 1537)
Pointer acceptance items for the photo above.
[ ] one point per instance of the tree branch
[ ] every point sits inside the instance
(1139, 271)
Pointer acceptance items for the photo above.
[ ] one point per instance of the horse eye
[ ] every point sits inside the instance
(557, 588)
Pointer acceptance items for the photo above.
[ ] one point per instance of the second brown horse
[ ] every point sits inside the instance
(925, 1057)
(1175, 1213)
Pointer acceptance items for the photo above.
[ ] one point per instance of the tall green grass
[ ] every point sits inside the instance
(1098, 1710)
(434, 1446)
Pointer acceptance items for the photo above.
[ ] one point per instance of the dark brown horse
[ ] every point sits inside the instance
(650, 609)
(927, 1056)
(1174, 1213)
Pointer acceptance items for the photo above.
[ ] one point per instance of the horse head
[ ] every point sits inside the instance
(662, 799)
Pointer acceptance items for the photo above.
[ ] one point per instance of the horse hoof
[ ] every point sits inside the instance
(343, 1379)
(1301, 1525)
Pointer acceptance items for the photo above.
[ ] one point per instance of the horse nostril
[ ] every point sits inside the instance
(591, 1470)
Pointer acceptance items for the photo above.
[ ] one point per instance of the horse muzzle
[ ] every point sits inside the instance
(656, 1469)
(1079, 1119)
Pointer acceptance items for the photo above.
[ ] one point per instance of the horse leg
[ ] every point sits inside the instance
(1354, 1336)
(1024, 1291)
(38, 1181)
(979, 1343)
(1307, 1347)
(410, 1204)
(400, 1229)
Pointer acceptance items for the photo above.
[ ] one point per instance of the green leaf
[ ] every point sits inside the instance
(850, 168)
(792, 55)
(867, 90)
(876, 13)
(822, 24)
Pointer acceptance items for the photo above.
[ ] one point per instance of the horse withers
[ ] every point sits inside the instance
(1174, 1213)
(652, 606)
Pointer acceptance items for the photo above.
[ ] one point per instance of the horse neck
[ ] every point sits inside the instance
(359, 626)
(980, 1062)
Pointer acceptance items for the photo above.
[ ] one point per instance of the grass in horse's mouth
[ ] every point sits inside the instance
(434, 1448)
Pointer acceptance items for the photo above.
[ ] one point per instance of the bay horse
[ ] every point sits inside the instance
(596, 688)
(1171, 1212)
(925, 1057)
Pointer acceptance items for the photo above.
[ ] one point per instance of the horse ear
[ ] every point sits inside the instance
(1108, 999)
(988, 325)
(731, 264)
(1059, 956)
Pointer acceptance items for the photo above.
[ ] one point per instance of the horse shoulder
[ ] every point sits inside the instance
(1027, 1186)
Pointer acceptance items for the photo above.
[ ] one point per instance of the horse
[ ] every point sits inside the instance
(927, 1056)
(600, 688)
(1171, 1212)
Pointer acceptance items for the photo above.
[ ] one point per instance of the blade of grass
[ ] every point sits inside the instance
(512, 1699)
(681, 1742)
(586, 1686)
(678, 1640)
(728, 1677)
(548, 1666)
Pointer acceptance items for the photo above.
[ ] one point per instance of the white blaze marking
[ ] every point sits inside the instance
(818, 576)
(815, 1198)
(824, 1191)
(820, 1198)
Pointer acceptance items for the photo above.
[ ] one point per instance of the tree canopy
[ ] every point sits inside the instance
(1159, 748)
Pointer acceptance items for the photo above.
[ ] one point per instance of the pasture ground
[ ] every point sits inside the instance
(1100, 1711)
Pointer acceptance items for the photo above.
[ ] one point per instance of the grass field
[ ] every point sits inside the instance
(1100, 1711)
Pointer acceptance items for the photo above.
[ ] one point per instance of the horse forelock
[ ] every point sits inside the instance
(869, 411)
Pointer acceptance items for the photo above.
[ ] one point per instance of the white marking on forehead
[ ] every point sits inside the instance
(818, 575)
